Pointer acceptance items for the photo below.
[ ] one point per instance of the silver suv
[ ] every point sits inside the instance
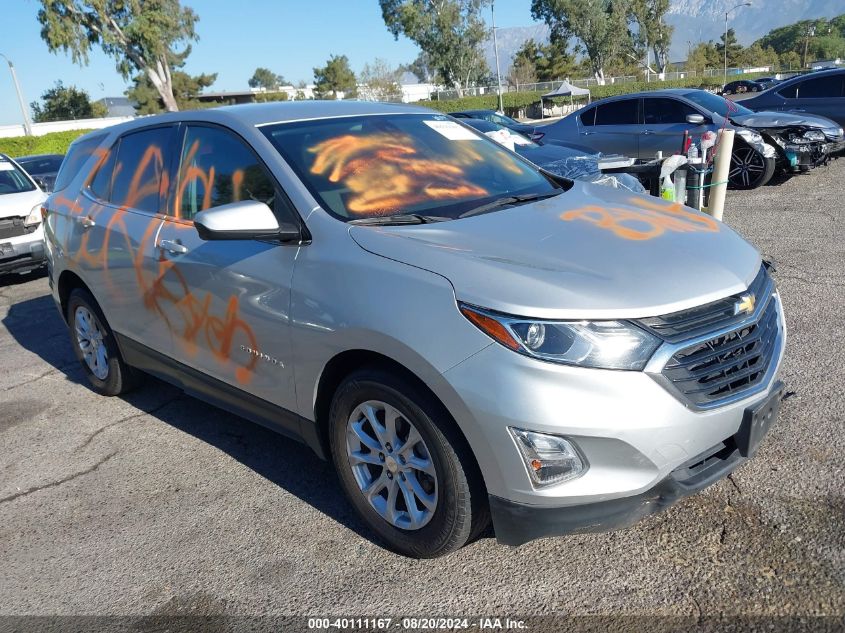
(463, 334)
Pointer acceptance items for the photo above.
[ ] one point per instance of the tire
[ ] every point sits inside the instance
(455, 510)
(749, 168)
(89, 328)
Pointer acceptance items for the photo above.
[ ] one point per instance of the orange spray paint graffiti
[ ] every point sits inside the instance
(195, 314)
(646, 220)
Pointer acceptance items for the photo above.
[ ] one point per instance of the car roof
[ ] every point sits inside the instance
(257, 114)
(39, 156)
(815, 73)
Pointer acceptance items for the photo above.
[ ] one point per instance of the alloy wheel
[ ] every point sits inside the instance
(747, 166)
(391, 465)
(89, 337)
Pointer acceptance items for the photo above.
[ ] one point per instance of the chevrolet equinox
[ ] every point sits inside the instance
(467, 337)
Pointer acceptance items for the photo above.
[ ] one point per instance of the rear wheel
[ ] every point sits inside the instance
(404, 466)
(749, 168)
(95, 346)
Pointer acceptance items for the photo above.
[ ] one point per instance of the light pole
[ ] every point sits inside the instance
(27, 126)
(743, 4)
(811, 32)
(496, 49)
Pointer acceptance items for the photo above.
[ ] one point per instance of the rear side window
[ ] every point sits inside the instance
(139, 168)
(101, 183)
(665, 111)
(821, 87)
(217, 168)
(77, 154)
(588, 117)
(622, 112)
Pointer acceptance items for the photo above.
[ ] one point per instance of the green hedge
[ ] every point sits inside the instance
(513, 101)
(52, 143)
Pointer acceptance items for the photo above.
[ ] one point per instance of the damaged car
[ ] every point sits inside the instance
(646, 123)
(21, 232)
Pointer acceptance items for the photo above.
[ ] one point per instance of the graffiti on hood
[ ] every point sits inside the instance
(643, 218)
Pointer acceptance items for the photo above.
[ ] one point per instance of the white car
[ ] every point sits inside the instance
(21, 234)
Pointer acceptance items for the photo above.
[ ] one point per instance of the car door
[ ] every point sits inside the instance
(226, 301)
(664, 124)
(614, 128)
(123, 200)
(824, 96)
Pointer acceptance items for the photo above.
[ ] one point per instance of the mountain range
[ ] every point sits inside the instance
(694, 21)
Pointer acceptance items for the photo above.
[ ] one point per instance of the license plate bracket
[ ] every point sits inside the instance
(757, 420)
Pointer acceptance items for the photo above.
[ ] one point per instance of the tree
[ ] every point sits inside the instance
(599, 26)
(703, 55)
(521, 72)
(547, 62)
(266, 78)
(381, 81)
(185, 88)
(61, 103)
(449, 32)
(422, 68)
(141, 35)
(336, 76)
(652, 33)
(734, 48)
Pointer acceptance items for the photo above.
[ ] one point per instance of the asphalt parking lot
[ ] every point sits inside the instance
(159, 504)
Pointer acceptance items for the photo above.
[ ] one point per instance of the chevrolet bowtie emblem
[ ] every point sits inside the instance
(745, 304)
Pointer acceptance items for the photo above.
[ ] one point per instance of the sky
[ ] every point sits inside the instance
(290, 37)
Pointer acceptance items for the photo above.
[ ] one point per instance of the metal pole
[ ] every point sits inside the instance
(726, 49)
(496, 49)
(27, 126)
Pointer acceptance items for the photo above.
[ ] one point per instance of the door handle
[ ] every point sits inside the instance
(173, 247)
(86, 221)
(646, 132)
(587, 133)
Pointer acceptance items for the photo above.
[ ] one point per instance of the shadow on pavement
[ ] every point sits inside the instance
(36, 325)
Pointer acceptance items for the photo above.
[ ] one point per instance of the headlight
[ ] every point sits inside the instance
(814, 135)
(34, 217)
(600, 344)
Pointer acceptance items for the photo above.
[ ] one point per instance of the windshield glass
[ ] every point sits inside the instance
(369, 166)
(12, 179)
(717, 104)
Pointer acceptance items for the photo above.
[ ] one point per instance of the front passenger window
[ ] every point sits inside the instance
(217, 168)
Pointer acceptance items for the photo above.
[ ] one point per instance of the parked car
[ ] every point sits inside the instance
(43, 168)
(741, 86)
(766, 82)
(21, 233)
(644, 123)
(530, 131)
(464, 335)
(821, 93)
(562, 160)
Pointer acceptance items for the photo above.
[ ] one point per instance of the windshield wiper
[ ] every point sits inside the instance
(509, 201)
(398, 219)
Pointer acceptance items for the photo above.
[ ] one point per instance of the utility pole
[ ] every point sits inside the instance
(727, 13)
(496, 49)
(27, 126)
(811, 31)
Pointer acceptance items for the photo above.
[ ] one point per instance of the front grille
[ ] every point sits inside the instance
(717, 315)
(726, 366)
(14, 227)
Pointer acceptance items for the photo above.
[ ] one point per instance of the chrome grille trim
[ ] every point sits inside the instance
(760, 335)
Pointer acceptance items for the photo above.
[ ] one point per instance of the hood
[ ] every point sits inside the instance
(591, 252)
(783, 119)
(20, 204)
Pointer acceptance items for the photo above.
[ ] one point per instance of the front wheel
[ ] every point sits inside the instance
(749, 169)
(404, 466)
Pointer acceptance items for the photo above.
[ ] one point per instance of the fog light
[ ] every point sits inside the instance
(550, 459)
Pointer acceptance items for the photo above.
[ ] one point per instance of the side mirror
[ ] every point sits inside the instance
(245, 220)
(695, 119)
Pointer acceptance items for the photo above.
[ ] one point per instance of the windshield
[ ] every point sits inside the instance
(12, 179)
(371, 166)
(717, 104)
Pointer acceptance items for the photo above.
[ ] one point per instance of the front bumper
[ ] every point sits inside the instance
(518, 523)
(22, 253)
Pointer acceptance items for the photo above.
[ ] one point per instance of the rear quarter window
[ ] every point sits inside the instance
(79, 152)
